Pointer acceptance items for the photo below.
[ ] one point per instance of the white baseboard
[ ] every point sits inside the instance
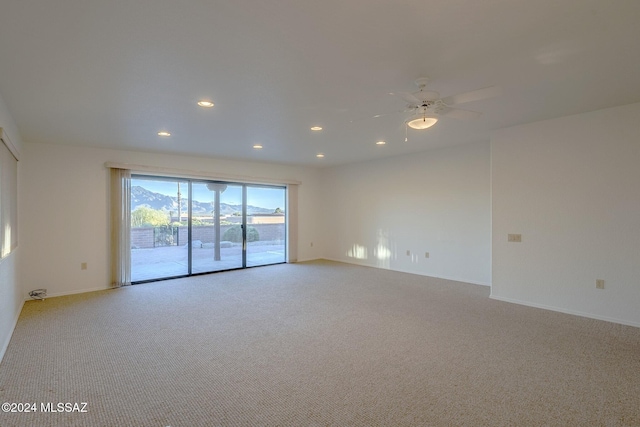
(5, 344)
(307, 259)
(566, 311)
(61, 294)
(454, 279)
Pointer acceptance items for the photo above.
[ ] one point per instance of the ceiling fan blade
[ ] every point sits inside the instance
(409, 98)
(376, 116)
(475, 95)
(457, 113)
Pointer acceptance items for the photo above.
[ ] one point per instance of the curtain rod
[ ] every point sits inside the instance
(184, 173)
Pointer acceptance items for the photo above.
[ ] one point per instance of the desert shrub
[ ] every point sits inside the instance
(234, 234)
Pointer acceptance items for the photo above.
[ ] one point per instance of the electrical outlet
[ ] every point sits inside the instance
(311, 244)
(83, 266)
(426, 254)
(516, 238)
(599, 284)
(408, 252)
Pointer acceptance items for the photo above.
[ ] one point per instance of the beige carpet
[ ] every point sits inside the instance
(317, 344)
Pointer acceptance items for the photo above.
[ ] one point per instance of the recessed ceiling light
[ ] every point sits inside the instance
(316, 128)
(319, 155)
(206, 104)
(164, 133)
(257, 146)
(380, 143)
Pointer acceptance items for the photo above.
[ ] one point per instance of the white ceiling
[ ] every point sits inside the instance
(114, 73)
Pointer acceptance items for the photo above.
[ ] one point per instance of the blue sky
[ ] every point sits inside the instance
(269, 198)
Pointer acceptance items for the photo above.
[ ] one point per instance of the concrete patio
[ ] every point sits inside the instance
(171, 261)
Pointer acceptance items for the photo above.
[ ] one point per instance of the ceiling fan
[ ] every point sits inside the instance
(426, 106)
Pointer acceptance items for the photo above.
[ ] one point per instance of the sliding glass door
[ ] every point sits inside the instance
(216, 227)
(266, 226)
(159, 225)
(181, 227)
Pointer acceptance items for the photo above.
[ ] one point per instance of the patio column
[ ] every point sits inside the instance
(217, 189)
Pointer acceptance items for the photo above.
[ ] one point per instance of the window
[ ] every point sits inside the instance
(8, 197)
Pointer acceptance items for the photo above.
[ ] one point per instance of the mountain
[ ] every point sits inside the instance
(140, 196)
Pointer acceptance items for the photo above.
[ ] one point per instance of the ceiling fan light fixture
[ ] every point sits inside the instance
(422, 121)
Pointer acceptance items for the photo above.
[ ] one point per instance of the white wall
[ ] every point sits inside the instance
(11, 297)
(571, 187)
(437, 202)
(64, 213)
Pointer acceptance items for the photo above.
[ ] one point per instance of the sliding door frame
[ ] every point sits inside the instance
(245, 186)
